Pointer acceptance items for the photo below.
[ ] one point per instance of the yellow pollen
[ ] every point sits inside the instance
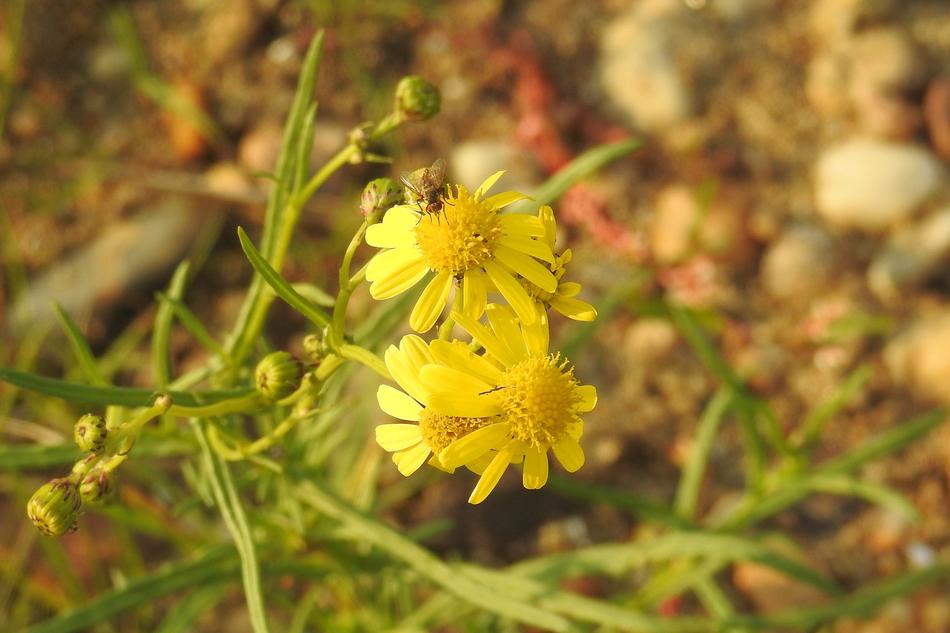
(460, 237)
(438, 431)
(539, 399)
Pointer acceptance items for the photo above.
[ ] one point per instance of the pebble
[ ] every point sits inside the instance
(769, 590)
(231, 27)
(650, 339)
(872, 185)
(832, 21)
(885, 59)
(800, 264)
(911, 256)
(259, 148)
(674, 224)
(919, 357)
(824, 76)
(937, 115)
(638, 69)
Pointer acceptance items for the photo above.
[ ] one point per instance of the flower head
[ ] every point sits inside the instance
(467, 242)
(530, 396)
(563, 299)
(424, 431)
(53, 508)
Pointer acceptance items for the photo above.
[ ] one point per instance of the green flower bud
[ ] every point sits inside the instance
(378, 196)
(417, 99)
(96, 487)
(53, 508)
(90, 433)
(277, 375)
(315, 347)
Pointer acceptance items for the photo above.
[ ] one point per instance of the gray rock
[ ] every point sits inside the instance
(872, 185)
(638, 69)
(125, 255)
(911, 256)
(919, 357)
(799, 265)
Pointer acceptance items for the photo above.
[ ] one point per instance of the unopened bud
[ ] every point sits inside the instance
(96, 487)
(378, 196)
(417, 99)
(53, 508)
(90, 433)
(277, 375)
(315, 347)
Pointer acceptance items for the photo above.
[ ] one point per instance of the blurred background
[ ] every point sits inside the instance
(792, 189)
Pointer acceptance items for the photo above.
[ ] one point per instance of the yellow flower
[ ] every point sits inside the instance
(530, 397)
(468, 242)
(425, 431)
(563, 299)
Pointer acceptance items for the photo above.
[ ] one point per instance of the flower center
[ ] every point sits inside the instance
(539, 399)
(460, 237)
(438, 431)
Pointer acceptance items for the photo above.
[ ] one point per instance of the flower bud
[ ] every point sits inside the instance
(378, 196)
(96, 487)
(315, 347)
(53, 508)
(277, 375)
(90, 433)
(417, 99)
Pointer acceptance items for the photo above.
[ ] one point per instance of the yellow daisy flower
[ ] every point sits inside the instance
(468, 242)
(563, 299)
(529, 397)
(424, 431)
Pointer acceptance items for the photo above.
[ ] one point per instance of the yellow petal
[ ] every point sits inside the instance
(397, 404)
(568, 289)
(397, 437)
(492, 344)
(464, 405)
(409, 460)
(528, 267)
(535, 473)
(479, 465)
(469, 448)
(474, 294)
(588, 394)
(431, 302)
(505, 325)
(416, 351)
(489, 479)
(573, 308)
(501, 200)
(521, 224)
(569, 452)
(513, 292)
(457, 354)
(396, 231)
(385, 263)
(546, 215)
(435, 463)
(488, 183)
(536, 335)
(448, 379)
(394, 272)
(405, 374)
(528, 246)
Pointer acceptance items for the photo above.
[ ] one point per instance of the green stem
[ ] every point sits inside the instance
(365, 357)
(445, 330)
(338, 325)
(250, 402)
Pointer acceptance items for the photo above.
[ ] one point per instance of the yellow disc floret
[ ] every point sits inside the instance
(438, 431)
(461, 236)
(539, 399)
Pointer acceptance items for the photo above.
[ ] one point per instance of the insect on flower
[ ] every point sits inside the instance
(428, 187)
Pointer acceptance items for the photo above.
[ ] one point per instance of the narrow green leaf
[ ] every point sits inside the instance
(367, 530)
(874, 493)
(121, 396)
(215, 565)
(687, 493)
(638, 506)
(229, 503)
(191, 323)
(317, 296)
(575, 171)
(161, 330)
(281, 286)
(80, 346)
(191, 607)
(810, 431)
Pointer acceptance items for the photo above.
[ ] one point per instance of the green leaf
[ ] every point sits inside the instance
(281, 286)
(575, 171)
(80, 346)
(191, 323)
(874, 493)
(121, 396)
(367, 530)
(161, 330)
(687, 493)
(218, 564)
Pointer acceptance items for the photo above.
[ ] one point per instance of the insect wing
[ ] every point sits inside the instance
(435, 176)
